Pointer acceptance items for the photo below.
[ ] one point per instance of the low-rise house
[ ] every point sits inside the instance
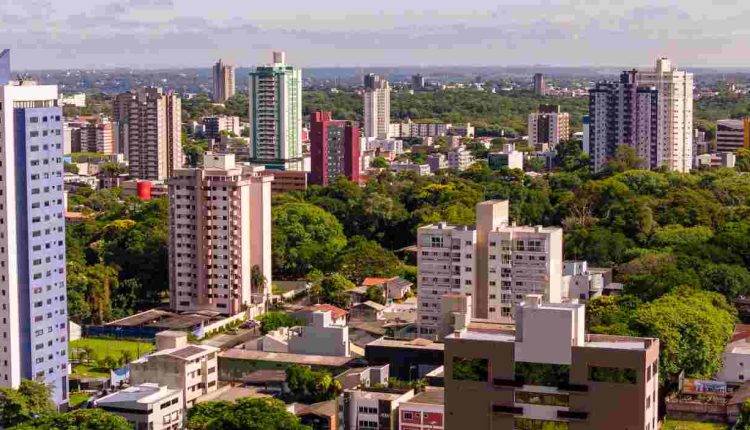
(146, 406)
(338, 315)
(320, 337)
(373, 408)
(319, 416)
(364, 377)
(368, 311)
(736, 355)
(579, 283)
(425, 411)
(190, 368)
(395, 288)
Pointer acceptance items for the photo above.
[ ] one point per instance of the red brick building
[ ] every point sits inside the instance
(334, 148)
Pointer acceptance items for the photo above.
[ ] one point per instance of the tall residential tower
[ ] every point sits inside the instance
(548, 126)
(335, 149)
(275, 112)
(377, 107)
(33, 304)
(223, 81)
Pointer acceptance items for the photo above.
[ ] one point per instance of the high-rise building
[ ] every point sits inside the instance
(150, 132)
(223, 81)
(275, 114)
(548, 126)
(732, 135)
(377, 107)
(33, 304)
(4, 66)
(650, 110)
(334, 148)
(417, 82)
(495, 262)
(548, 373)
(220, 237)
(94, 137)
(214, 125)
(540, 87)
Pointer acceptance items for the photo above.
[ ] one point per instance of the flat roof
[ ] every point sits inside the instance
(145, 394)
(285, 357)
(411, 343)
(377, 395)
(431, 396)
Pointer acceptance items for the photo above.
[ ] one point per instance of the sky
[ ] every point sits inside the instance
(102, 34)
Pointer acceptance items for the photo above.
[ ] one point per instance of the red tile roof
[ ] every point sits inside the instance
(336, 313)
(371, 282)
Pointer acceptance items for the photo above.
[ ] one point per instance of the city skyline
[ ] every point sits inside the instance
(158, 33)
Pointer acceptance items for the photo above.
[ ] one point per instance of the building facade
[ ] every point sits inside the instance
(214, 125)
(732, 135)
(460, 159)
(150, 132)
(548, 372)
(223, 81)
(494, 262)
(275, 112)
(146, 406)
(650, 110)
(94, 137)
(425, 411)
(372, 408)
(540, 87)
(33, 299)
(334, 148)
(548, 125)
(377, 107)
(220, 237)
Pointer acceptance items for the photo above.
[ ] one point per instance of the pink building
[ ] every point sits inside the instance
(425, 411)
(220, 237)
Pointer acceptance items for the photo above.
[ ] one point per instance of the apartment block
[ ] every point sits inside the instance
(507, 158)
(190, 368)
(650, 110)
(460, 159)
(146, 406)
(33, 298)
(423, 130)
(546, 372)
(540, 87)
(732, 135)
(437, 162)
(425, 411)
(223, 76)
(95, 137)
(495, 262)
(377, 112)
(408, 166)
(580, 283)
(150, 132)
(548, 126)
(395, 146)
(372, 408)
(214, 125)
(220, 237)
(275, 112)
(334, 149)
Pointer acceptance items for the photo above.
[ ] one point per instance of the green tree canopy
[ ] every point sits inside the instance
(82, 419)
(244, 414)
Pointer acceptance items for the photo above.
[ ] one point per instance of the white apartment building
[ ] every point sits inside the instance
(579, 283)
(388, 145)
(146, 406)
(320, 337)
(675, 114)
(460, 159)
(494, 262)
(437, 162)
(220, 237)
(33, 304)
(190, 368)
(408, 166)
(377, 115)
(508, 157)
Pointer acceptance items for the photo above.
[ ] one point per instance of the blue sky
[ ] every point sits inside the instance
(178, 33)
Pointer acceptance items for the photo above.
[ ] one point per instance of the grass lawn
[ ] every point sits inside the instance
(692, 425)
(78, 398)
(88, 371)
(103, 347)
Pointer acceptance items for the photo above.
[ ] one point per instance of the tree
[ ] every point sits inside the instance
(305, 237)
(258, 282)
(365, 258)
(379, 163)
(244, 414)
(334, 290)
(311, 386)
(31, 399)
(82, 419)
(375, 294)
(652, 275)
(270, 321)
(625, 158)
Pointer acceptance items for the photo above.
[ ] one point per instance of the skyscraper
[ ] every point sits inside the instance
(334, 147)
(33, 304)
(275, 114)
(223, 82)
(377, 107)
(548, 126)
(540, 87)
(220, 237)
(650, 110)
(150, 132)
(417, 82)
(4, 66)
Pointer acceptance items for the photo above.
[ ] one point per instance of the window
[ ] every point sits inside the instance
(470, 369)
(548, 399)
(614, 375)
(549, 375)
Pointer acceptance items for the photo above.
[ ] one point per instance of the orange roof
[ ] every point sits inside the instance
(336, 313)
(371, 282)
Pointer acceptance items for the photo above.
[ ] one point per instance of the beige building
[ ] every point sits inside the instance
(150, 132)
(548, 125)
(547, 372)
(147, 406)
(223, 81)
(190, 368)
(220, 237)
(460, 159)
(377, 116)
(732, 135)
(96, 137)
(495, 262)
